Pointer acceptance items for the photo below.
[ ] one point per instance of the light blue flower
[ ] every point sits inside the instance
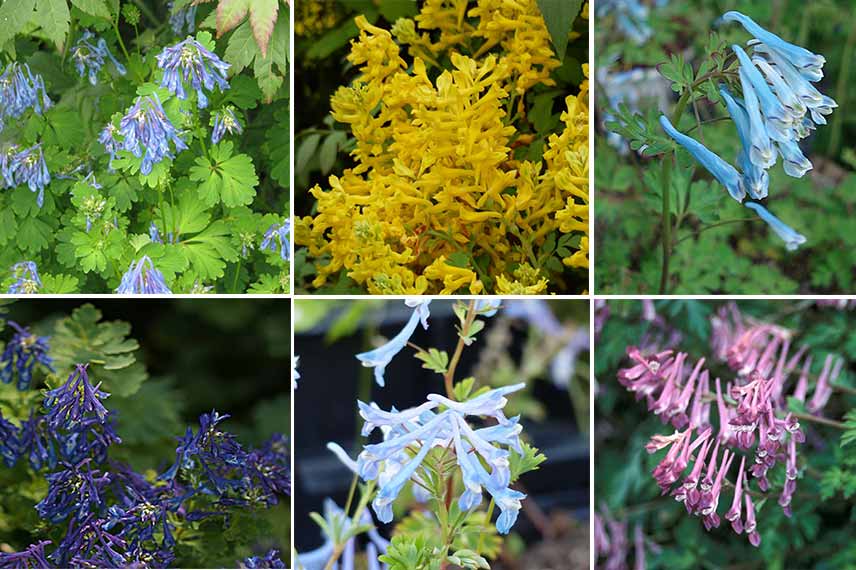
(795, 163)
(809, 64)
(29, 167)
(27, 281)
(726, 174)
(489, 404)
(791, 238)
(89, 57)
(278, 238)
(147, 132)
(225, 121)
(189, 61)
(295, 375)
(488, 307)
(778, 119)
(21, 90)
(380, 357)
(143, 278)
(761, 150)
(755, 179)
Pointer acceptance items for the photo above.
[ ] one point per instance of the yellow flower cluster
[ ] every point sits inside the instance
(314, 17)
(436, 201)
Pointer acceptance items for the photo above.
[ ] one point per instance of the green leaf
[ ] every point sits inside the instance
(208, 251)
(230, 13)
(112, 357)
(97, 8)
(529, 461)
(849, 435)
(242, 48)
(14, 15)
(59, 284)
(229, 179)
(54, 18)
(329, 150)
(306, 150)
(263, 16)
(559, 15)
(435, 360)
(33, 234)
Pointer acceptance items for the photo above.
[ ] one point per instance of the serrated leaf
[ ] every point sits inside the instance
(230, 13)
(14, 15)
(434, 360)
(54, 18)
(242, 48)
(33, 234)
(849, 435)
(208, 251)
(263, 16)
(97, 8)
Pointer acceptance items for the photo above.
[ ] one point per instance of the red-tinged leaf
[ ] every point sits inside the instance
(230, 13)
(263, 15)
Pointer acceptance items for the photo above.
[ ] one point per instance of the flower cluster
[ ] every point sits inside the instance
(90, 57)
(436, 185)
(278, 238)
(315, 17)
(189, 61)
(21, 355)
(183, 19)
(410, 434)
(25, 166)
(115, 517)
(20, 90)
(26, 276)
(224, 121)
(146, 132)
(610, 542)
(143, 278)
(753, 419)
(381, 356)
(779, 107)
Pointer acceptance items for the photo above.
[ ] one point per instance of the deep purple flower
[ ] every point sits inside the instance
(36, 443)
(75, 490)
(9, 442)
(147, 133)
(189, 61)
(76, 398)
(269, 560)
(143, 278)
(21, 355)
(32, 557)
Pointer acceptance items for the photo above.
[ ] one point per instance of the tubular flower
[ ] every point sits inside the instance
(21, 355)
(147, 132)
(32, 557)
(269, 560)
(436, 200)
(28, 167)
(189, 61)
(380, 357)
(143, 278)
(753, 416)
(481, 454)
(21, 90)
(89, 57)
(225, 121)
(315, 17)
(27, 281)
(278, 237)
(183, 19)
(74, 490)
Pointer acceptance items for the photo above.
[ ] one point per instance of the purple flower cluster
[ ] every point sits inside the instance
(21, 355)
(610, 542)
(114, 517)
(147, 133)
(20, 90)
(189, 61)
(237, 477)
(90, 57)
(753, 420)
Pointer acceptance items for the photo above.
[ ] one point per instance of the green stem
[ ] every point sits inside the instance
(819, 420)
(237, 274)
(716, 225)
(667, 192)
(115, 24)
(487, 522)
(449, 376)
(845, 389)
(842, 90)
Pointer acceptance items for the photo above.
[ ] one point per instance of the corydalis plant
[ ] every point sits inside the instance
(448, 451)
(754, 422)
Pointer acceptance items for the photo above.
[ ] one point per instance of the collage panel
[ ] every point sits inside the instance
(144, 147)
(442, 435)
(723, 433)
(724, 161)
(145, 433)
(442, 147)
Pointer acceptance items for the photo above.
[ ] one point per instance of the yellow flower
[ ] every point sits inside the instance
(435, 176)
(314, 17)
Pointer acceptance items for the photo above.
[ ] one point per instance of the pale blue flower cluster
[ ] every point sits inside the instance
(27, 281)
(26, 166)
(182, 19)
(380, 357)
(225, 122)
(779, 107)
(189, 61)
(90, 57)
(143, 278)
(278, 238)
(147, 133)
(410, 434)
(20, 90)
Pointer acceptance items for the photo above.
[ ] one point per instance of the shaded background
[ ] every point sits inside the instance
(327, 336)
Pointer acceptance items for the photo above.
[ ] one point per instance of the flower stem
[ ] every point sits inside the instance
(666, 183)
(449, 377)
(119, 37)
(716, 225)
(820, 420)
(845, 389)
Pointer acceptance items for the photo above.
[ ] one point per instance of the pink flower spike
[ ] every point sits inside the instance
(821, 390)
(802, 384)
(725, 430)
